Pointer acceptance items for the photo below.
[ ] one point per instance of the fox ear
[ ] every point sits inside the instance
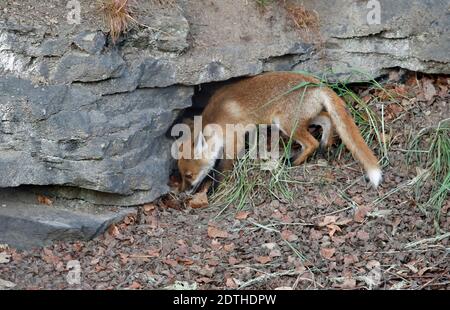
(200, 145)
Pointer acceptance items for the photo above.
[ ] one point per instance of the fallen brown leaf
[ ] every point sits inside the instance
(113, 230)
(230, 283)
(95, 261)
(372, 264)
(200, 200)
(171, 262)
(288, 235)
(392, 111)
(135, 286)
(363, 235)
(185, 261)
(348, 284)
(263, 259)
(214, 232)
(327, 220)
(361, 213)
(275, 253)
(153, 252)
(207, 271)
(242, 215)
(327, 253)
(232, 260)
(229, 247)
(401, 90)
(204, 280)
(333, 228)
(213, 262)
(344, 222)
(48, 256)
(350, 259)
(423, 270)
(315, 234)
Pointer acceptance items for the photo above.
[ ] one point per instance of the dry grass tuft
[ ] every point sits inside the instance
(303, 18)
(117, 14)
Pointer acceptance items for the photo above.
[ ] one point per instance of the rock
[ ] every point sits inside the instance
(69, 136)
(200, 200)
(80, 67)
(92, 42)
(170, 33)
(406, 37)
(158, 73)
(53, 47)
(25, 224)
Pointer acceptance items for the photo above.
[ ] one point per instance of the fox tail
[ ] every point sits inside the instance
(350, 135)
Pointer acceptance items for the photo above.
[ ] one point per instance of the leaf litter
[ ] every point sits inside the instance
(350, 238)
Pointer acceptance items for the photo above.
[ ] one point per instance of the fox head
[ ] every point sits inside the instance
(195, 164)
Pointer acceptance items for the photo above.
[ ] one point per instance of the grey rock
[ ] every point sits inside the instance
(80, 67)
(158, 73)
(70, 136)
(413, 34)
(138, 197)
(217, 64)
(25, 224)
(92, 42)
(53, 47)
(164, 31)
(171, 34)
(127, 82)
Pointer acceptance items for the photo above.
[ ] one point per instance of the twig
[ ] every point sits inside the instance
(332, 213)
(266, 277)
(427, 240)
(428, 283)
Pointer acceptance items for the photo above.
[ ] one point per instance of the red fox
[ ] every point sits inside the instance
(275, 98)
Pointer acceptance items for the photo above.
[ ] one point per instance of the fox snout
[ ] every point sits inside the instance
(185, 185)
(189, 171)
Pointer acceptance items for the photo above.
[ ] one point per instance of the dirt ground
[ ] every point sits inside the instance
(333, 235)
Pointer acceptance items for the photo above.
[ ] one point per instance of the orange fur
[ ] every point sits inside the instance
(269, 99)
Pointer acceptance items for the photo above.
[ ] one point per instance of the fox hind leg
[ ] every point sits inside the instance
(308, 142)
(324, 121)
